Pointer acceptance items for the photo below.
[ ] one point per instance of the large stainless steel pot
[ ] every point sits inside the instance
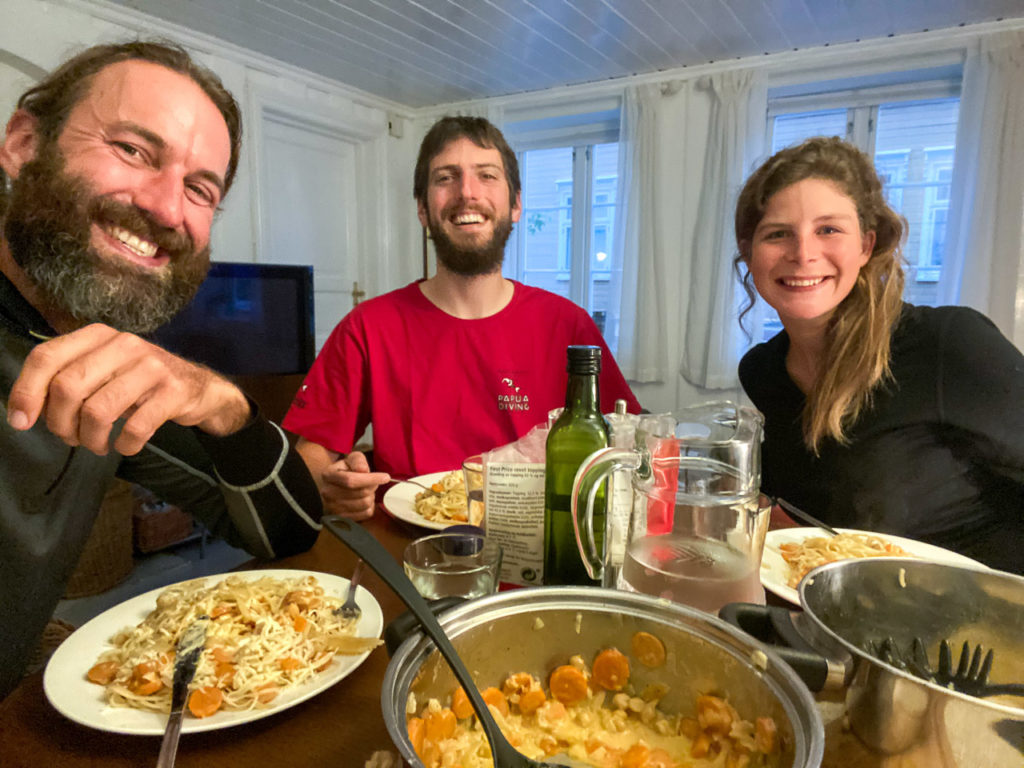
(852, 603)
(535, 630)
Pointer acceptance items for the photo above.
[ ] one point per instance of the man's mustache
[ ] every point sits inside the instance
(141, 224)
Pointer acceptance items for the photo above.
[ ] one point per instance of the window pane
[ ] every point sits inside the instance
(794, 128)
(914, 156)
(605, 182)
(914, 148)
(546, 220)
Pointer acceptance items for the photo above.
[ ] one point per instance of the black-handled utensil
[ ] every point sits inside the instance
(379, 559)
(804, 517)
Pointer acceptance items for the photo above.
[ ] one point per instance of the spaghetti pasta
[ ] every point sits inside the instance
(264, 635)
(445, 502)
(807, 555)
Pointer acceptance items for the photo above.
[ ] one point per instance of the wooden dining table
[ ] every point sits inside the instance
(341, 726)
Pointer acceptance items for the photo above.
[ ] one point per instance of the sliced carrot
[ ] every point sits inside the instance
(635, 757)
(610, 669)
(531, 701)
(437, 488)
(461, 705)
(222, 653)
(203, 702)
(568, 684)
(145, 679)
(495, 698)
(103, 673)
(267, 693)
(224, 671)
(300, 623)
(289, 663)
(440, 725)
(417, 730)
(648, 649)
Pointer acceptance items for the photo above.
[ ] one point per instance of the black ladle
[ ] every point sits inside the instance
(355, 537)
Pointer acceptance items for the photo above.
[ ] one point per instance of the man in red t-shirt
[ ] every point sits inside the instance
(450, 366)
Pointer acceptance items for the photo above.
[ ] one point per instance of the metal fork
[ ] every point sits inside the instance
(350, 609)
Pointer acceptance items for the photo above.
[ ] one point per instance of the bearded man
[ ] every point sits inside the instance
(451, 366)
(113, 168)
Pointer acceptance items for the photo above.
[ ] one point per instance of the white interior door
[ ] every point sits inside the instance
(308, 212)
(320, 194)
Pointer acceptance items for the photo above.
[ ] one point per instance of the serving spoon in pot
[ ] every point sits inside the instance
(374, 555)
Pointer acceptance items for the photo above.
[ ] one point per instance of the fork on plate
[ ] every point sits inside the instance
(350, 609)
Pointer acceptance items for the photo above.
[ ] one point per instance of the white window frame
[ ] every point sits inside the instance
(581, 132)
(861, 102)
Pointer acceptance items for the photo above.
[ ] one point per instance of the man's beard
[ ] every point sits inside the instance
(48, 227)
(469, 262)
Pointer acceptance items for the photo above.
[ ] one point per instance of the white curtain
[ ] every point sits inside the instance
(735, 143)
(983, 238)
(641, 315)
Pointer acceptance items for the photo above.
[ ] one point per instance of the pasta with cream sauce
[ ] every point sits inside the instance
(445, 502)
(803, 557)
(264, 635)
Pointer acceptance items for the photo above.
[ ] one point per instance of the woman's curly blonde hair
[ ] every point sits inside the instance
(859, 332)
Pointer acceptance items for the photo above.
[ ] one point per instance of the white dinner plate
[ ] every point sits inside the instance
(775, 570)
(400, 501)
(77, 699)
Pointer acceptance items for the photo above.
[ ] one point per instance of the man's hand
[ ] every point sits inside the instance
(348, 487)
(83, 382)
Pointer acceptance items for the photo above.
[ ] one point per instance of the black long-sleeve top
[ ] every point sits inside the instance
(250, 488)
(938, 457)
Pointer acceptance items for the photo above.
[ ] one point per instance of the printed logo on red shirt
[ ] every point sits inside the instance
(512, 399)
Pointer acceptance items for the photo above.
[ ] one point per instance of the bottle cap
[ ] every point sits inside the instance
(584, 359)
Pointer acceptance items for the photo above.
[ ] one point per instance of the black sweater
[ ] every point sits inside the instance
(938, 457)
(249, 487)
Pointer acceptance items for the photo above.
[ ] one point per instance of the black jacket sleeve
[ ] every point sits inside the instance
(249, 488)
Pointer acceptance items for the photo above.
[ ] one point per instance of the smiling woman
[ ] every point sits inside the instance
(875, 416)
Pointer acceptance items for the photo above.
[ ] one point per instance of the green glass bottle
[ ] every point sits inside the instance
(578, 432)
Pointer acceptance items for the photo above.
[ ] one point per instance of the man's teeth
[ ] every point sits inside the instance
(805, 283)
(469, 218)
(140, 247)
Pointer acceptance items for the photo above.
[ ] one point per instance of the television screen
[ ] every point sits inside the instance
(247, 319)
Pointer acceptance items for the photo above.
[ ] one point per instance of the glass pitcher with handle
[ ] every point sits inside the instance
(698, 522)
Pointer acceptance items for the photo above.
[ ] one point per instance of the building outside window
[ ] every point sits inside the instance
(913, 143)
(559, 244)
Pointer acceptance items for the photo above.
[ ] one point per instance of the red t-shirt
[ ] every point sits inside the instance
(438, 388)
